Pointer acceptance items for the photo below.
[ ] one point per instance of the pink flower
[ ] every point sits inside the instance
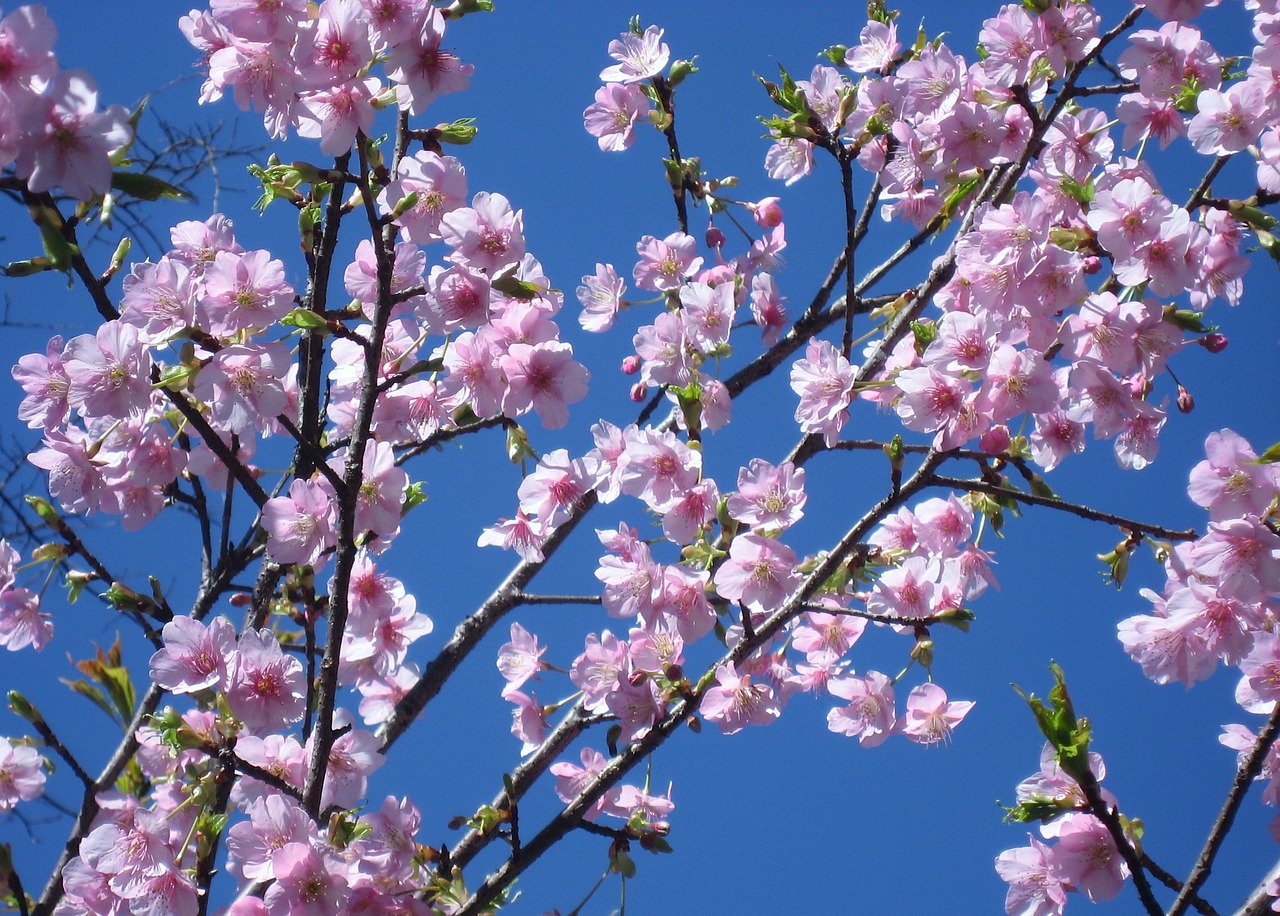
(522, 534)
(266, 688)
(759, 572)
(243, 291)
(300, 526)
(639, 57)
(601, 298)
(735, 702)
(423, 69)
(555, 485)
(1086, 857)
(21, 622)
(1229, 482)
(870, 714)
(1033, 888)
(877, 47)
(1227, 122)
(665, 264)
(768, 496)
(543, 377)
(824, 381)
(21, 774)
(789, 160)
(486, 236)
(612, 118)
(572, 779)
(440, 183)
(521, 658)
(930, 717)
(67, 140)
(194, 656)
(108, 373)
(310, 881)
(45, 381)
(244, 386)
(335, 115)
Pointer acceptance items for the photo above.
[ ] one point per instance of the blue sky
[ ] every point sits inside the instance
(790, 818)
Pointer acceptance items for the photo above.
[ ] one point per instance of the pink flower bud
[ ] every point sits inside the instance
(631, 365)
(1092, 264)
(995, 441)
(715, 238)
(639, 391)
(1214, 343)
(768, 212)
(1186, 403)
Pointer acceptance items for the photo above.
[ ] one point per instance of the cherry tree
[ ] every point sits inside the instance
(280, 415)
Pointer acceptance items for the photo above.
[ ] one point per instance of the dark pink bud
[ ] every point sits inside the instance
(1092, 264)
(631, 365)
(1186, 403)
(639, 391)
(995, 441)
(1214, 343)
(715, 238)
(768, 212)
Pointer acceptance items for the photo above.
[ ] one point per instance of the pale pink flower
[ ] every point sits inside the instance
(869, 715)
(612, 118)
(768, 497)
(194, 656)
(543, 377)
(300, 526)
(1033, 888)
(1086, 857)
(665, 264)
(423, 69)
(67, 140)
(521, 658)
(22, 623)
(735, 702)
(244, 386)
(21, 774)
(310, 881)
(440, 183)
(759, 572)
(522, 534)
(639, 57)
(877, 47)
(601, 298)
(824, 381)
(486, 236)
(45, 381)
(930, 717)
(108, 373)
(266, 688)
(335, 115)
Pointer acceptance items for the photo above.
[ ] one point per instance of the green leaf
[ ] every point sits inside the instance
(146, 187)
(1270, 456)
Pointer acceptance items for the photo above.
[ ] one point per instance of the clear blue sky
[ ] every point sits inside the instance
(790, 818)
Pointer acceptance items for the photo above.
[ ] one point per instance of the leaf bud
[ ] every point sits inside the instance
(22, 707)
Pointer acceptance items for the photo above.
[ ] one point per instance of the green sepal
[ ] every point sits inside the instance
(416, 495)
(513, 287)
(459, 132)
(306, 320)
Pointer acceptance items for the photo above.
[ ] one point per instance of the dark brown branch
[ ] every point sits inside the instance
(979, 486)
(1249, 770)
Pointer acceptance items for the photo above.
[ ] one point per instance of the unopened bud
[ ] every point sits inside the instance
(768, 212)
(715, 238)
(1186, 403)
(923, 652)
(1092, 264)
(241, 599)
(1214, 343)
(639, 391)
(631, 365)
(995, 441)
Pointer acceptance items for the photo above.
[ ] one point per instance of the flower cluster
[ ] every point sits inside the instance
(311, 72)
(51, 130)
